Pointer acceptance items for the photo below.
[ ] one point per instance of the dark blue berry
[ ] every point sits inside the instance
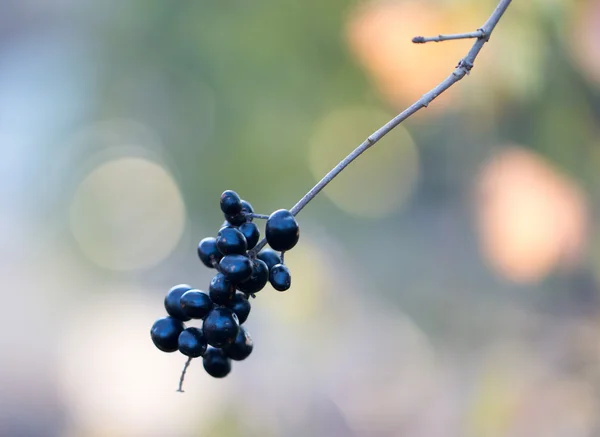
(173, 302)
(241, 348)
(165, 332)
(225, 225)
(280, 278)
(258, 279)
(270, 257)
(241, 217)
(191, 342)
(282, 230)
(216, 363)
(240, 305)
(247, 208)
(236, 220)
(220, 327)
(231, 204)
(231, 241)
(195, 304)
(236, 268)
(221, 290)
(208, 252)
(251, 232)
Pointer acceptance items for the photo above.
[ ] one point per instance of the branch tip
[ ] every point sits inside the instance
(481, 35)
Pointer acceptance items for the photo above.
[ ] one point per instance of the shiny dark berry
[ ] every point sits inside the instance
(165, 332)
(231, 241)
(221, 290)
(225, 225)
(208, 252)
(220, 327)
(173, 302)
(280, 278)
(240, 305)
(251, 232)
(236, 220)
(258, 279)
(282, 230)
(246, 207)
(191, 342)
(241, 348)
(236, 268)
(240, 218)
(216, 363)
(195, 304)
(270, 257)
(231, 204)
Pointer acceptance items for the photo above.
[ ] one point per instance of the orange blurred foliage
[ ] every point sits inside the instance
(380, 36)
(584, 38)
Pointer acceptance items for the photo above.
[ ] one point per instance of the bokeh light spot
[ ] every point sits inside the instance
(384, 176)
(531, 217)
(127, 214)
(114, 380)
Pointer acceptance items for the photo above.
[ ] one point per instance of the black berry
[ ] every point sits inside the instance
(231, 241)
(165, 332)
(251, 232)
(225, 225)
(195, 304)
(216, 363)
(241, 348)
(247, 208)
(220, 327)
(231, 204)
(221, 290)
(258, 279)
(236, 268)
(240, 305)
(279, 277)
(282, 230)
(173, 302)
(241, 217)
(236, 220)
(208, 252)
(270, 257)
(191, 342)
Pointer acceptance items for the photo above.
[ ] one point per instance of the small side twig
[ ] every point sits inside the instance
(461, 70)
(258, 216)
(182, 377)
(479, 33)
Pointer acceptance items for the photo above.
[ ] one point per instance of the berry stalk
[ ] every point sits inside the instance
(182, 377)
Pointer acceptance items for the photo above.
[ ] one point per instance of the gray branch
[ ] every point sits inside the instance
(462, 69)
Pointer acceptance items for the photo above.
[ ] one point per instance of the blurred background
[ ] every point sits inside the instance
(445, 285)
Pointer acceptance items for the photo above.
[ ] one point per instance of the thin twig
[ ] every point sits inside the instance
(462, 69)
(258, 216)
(182, 377)
(423, 39)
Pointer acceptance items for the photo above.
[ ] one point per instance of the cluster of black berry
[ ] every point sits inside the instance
(242, 271)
